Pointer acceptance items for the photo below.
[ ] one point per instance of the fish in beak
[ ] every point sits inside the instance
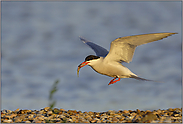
(80, 66)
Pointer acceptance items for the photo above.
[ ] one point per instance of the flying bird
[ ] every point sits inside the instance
(121, 50)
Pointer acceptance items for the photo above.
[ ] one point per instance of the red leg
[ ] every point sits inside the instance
(112, 81)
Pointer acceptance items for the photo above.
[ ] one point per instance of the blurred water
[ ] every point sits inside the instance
(40, 44)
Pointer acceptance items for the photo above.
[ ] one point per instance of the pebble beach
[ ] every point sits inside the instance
(48, 115)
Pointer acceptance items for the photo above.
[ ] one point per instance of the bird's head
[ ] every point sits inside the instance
(89, 60)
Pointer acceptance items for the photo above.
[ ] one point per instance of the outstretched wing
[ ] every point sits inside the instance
(100, 51)
(123, 48)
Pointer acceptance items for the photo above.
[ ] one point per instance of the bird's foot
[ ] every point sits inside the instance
(112, 81)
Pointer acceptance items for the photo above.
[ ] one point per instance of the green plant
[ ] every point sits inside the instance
(53, 90)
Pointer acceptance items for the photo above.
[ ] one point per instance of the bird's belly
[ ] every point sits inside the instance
(113, 71)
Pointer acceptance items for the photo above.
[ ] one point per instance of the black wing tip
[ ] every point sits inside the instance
(83, 39)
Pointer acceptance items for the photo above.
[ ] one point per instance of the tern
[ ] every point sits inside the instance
(121, 50)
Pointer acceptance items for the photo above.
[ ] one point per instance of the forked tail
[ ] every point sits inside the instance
(143, 79)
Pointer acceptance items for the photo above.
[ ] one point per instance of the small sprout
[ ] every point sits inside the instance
(52, 92)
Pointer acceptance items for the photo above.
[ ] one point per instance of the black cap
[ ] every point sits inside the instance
(91, 57)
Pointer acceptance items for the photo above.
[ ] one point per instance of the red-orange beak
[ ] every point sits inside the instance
(80, 66)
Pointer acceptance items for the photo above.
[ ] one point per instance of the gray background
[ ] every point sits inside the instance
(40, 44)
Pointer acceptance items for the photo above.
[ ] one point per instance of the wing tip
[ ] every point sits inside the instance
(175, 33)
(83, 39)
(172, 33)
(169, 34)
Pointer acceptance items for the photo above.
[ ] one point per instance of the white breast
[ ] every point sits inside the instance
(112, 69)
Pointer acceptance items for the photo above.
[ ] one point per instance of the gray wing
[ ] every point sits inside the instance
(100, 51)
(123, 48)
